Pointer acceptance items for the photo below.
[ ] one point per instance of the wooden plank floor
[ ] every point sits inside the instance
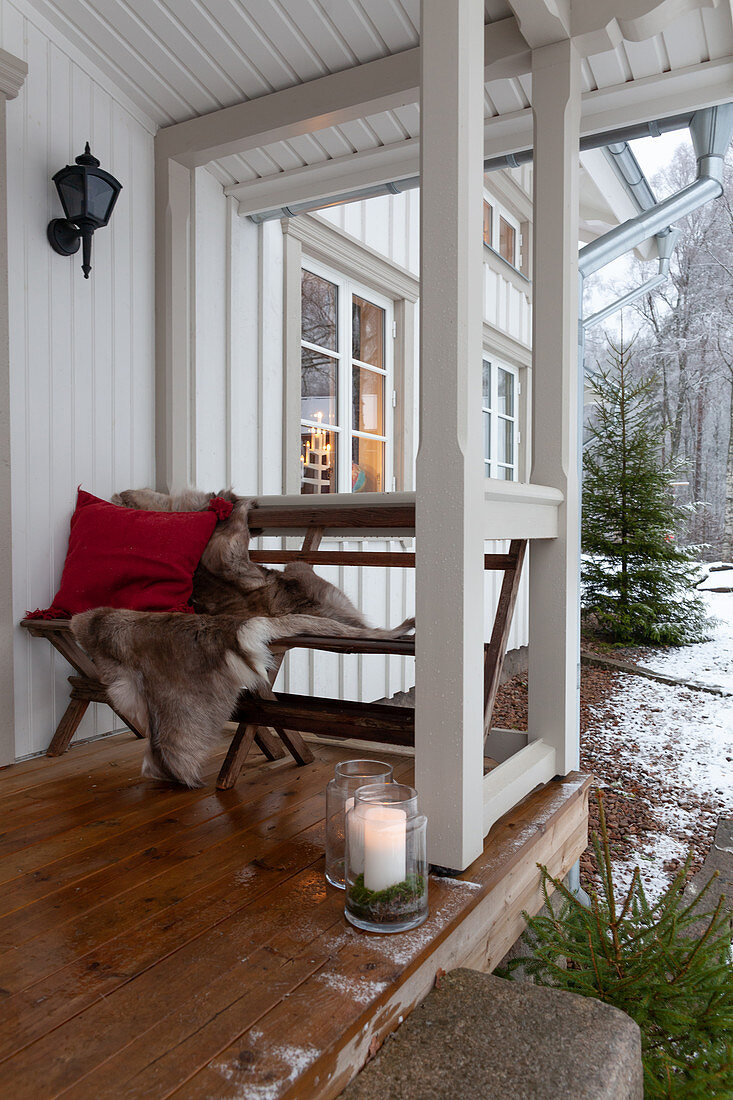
(158, 942)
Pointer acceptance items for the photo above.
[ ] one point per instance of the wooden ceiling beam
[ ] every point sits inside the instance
(362, 90)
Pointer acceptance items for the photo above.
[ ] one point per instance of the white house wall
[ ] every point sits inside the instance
(81, 352)
(507, 306)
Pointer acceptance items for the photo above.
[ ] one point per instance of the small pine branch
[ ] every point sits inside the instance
(653, 963)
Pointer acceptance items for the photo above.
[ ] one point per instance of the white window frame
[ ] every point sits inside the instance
(343, 431)
(492, 465)
(500, 211)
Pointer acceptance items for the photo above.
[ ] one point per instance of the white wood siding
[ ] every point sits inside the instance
(81, 352)
(507, 305)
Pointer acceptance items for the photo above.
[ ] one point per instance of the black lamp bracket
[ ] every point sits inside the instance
(63, 236)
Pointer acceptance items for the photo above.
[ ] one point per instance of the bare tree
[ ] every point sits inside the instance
(686, 337)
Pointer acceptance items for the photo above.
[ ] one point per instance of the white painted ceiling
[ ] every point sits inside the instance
(180, 58)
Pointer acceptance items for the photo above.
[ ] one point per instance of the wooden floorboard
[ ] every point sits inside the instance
(158, 942)
(35, 772)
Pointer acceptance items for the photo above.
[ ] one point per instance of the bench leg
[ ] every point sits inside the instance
(268, 744)
(295, 745)
(248, 734)
(235, 757)
(67, 727)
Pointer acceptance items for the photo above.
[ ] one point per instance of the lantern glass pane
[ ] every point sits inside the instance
(99, 197)
(71, 193)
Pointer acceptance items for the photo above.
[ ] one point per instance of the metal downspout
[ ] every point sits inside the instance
(711, 131)
(667, 243)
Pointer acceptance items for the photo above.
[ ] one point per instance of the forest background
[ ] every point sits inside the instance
(683, 333)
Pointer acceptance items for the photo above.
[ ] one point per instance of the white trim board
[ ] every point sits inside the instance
(509, 782)
(504, 346)
(13, 72)
(517, 510)
(334, 247)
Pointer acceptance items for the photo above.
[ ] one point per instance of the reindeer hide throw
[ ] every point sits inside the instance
(178, 676)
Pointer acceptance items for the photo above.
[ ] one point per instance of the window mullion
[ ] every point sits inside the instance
(345, 369)
(494, 418)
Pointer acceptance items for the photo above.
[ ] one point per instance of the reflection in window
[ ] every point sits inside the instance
(507, 241)
(488, 219)
(501, 231)
(367, 332)
(318, 387)
(318, 459)
(319, 311)
(367, 465)
(368, 400)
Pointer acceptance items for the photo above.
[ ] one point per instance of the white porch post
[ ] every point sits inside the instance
(173, 351)
(13, 72)
(554, 633)
(449, 531)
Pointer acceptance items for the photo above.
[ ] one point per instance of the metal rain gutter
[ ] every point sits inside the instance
(491, 164)
(628, 169)
(666, 244)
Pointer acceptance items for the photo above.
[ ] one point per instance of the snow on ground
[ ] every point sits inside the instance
(676, 745)
(707, 662)
(719, 579)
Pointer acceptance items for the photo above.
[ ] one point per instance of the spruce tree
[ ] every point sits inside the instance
(638, 582)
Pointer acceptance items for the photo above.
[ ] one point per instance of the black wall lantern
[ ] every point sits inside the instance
(88, 195)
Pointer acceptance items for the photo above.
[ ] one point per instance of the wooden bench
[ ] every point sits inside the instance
(290, 715)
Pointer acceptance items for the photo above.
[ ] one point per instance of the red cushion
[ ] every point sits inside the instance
(120, 557)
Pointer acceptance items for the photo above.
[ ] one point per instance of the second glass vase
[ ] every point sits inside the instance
(349, 776)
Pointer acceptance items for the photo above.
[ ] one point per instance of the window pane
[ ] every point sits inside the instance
(318, 386)
(317, 460)
(488, 214)
(487, 384)
(367, 465)
(367, 401)
(319, 311)
(367, 332)
(506, 473)
(487, 436)
(506, 393)
(507, 237)
(506, 441)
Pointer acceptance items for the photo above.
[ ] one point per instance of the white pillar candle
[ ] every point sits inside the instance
(385, 846)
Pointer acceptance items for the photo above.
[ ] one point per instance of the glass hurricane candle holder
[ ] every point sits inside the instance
(386, 859)
(348, 777)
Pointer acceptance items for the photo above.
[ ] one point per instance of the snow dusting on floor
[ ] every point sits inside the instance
(290, 1061)
(676, 743)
